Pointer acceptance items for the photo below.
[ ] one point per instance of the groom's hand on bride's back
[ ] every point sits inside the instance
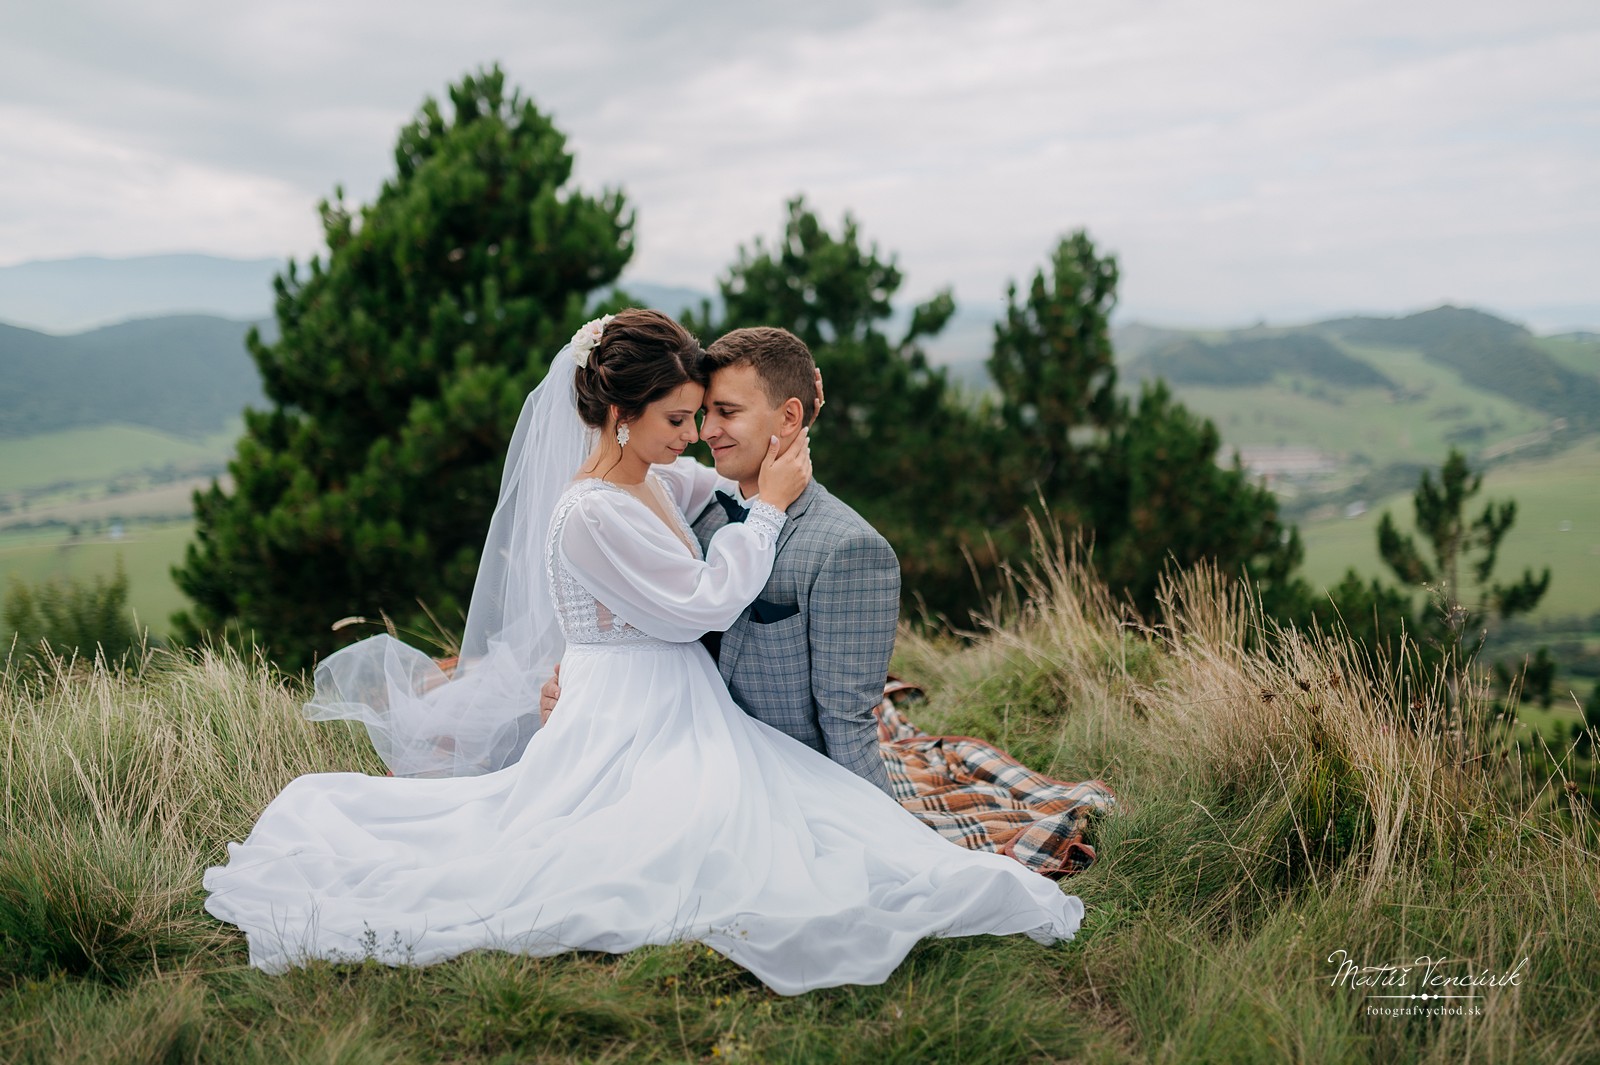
(548, 696)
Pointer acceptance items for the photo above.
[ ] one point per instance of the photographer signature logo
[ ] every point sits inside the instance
(1427, 986)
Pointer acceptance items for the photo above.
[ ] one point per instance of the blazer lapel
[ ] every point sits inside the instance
(733, 639)
(796, 511)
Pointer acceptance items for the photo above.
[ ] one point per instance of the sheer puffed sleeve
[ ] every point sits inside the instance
(626, 558)
(692, 483)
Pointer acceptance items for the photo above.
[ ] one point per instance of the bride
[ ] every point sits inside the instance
(650, 808)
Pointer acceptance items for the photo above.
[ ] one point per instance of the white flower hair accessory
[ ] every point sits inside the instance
(587, 338)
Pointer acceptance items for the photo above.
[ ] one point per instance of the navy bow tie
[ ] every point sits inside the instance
(736, 510)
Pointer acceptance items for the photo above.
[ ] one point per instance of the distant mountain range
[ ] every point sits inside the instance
(64, 296)
(155, 341)
(184, 374)
(73, 295)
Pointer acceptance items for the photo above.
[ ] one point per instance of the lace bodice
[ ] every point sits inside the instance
(620, 576)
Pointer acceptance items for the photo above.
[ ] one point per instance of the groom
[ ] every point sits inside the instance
(810, 655)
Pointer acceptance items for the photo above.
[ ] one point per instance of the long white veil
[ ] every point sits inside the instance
(424, 723)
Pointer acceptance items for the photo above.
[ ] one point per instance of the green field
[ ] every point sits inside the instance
(87, 477)
(1558, 525)
(68, 476)
(147, 552)
(89, 457)
(161, 501)
(1562, 488)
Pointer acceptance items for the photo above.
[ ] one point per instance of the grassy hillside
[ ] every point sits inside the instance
(1367, 428)
(1299, 404)
(1277, 810)
(1258, 359)
(1374, 393)
(1489, 353)
(1558, 525)
(1579, 352)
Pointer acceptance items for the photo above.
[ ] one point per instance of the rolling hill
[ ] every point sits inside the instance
(1488, 353)
(186, 375)
(1341, 417)
(1375, 400)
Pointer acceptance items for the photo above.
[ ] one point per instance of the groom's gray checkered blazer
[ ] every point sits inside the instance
(810, 656)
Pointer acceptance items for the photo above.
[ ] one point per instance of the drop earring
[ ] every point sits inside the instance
(622, 434)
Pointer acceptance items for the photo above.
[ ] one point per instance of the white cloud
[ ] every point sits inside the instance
(1241, 157)
(75, 191)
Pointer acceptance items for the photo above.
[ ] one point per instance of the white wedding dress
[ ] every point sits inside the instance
(650, 808)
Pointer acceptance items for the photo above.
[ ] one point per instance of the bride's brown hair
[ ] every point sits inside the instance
(642, 356)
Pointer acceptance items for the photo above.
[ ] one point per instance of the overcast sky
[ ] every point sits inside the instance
(1243, 159)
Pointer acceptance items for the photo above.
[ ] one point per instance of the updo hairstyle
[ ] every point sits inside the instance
(642, 356)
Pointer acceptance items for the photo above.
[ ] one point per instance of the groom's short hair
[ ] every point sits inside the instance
(783, 364)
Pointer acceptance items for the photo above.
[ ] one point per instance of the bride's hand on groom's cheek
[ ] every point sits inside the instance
(785, 475)
(548, 694)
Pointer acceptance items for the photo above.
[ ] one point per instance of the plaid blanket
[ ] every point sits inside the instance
(975, 794)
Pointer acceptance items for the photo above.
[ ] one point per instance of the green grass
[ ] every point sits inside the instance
(1558, 525)
(90, 456)
(1275, 809)
(147, 552)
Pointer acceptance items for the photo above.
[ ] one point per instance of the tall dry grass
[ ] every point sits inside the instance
(1283, 798)
(121, 786)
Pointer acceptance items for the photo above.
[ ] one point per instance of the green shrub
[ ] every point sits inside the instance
(67, 618)
(161, 1021)
(93, 902)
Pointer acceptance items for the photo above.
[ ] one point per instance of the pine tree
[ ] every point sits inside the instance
(1584, 735)
(1160, 499)
(403, 357)
(1053, 365)
(1454, 542)
(1141, 480)
(66, 617)
(1372, 613)
(1446, 629)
